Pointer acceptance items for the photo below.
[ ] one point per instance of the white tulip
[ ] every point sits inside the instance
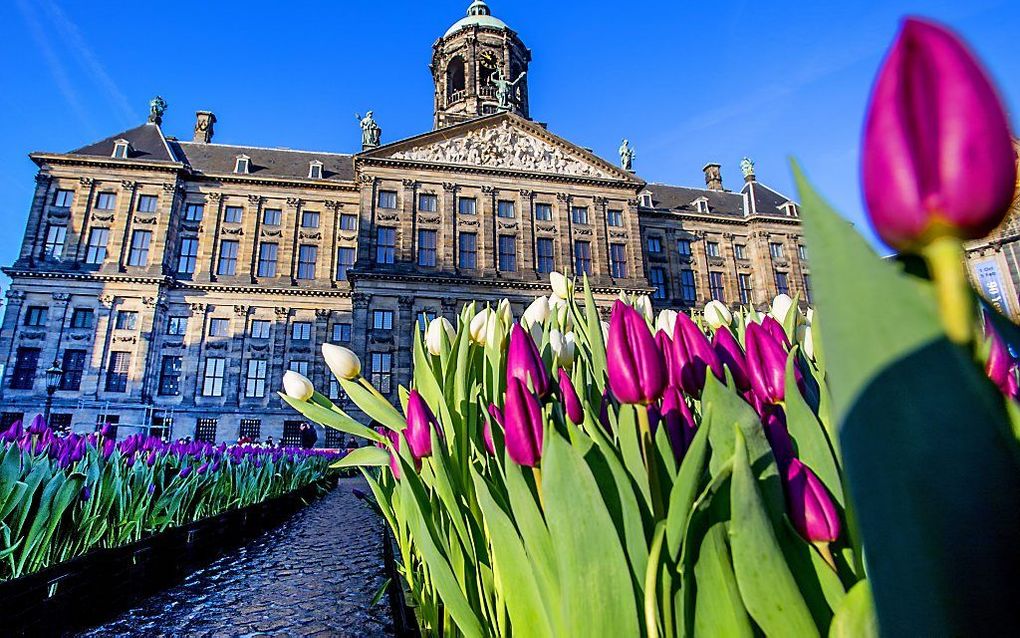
(717, 314)
(644, 305)
(561, 286)
(297, 386)
(806, 339)
(563, 346)
(434, 334)
(605, 330)
(781, 307)
(810, 315)
(476, 329)
(343, 363)
(506, 313)
(666, 321)
(535, 329)
(538, 311)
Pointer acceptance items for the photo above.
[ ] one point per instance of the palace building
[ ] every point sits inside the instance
(166, 284)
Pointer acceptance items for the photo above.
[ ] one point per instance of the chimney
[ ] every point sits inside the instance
(713, 176)
(204, 121)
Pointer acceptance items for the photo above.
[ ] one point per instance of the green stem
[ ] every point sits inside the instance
(651, 582)
(945, 259)
(648, 452)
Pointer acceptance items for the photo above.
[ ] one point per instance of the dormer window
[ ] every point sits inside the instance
(789, 209)
(701, 205)
(120, 149)
(315, 169)
(646, 200)
(242, 164)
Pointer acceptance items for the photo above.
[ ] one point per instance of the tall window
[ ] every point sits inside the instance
(26, 363)
(250, 429)
(683, 247)
(425, 317)
(344, 261)
(117, 373)
(267, 259)
(385, 245)
(614, 217)
(176, 325)
(232, 214)
(212, 380)
(746, 289)
(579, 214)
(170, 375)
(147, 204)
(307, 254)
(36, 316)
(807, 287)
(82, 318)
(301, 367)
(260, 329)
(188, 258)
(427, 248)
(301, 331)
(272, 216)
(427, 202)
(582, 257)
(654, 245)
(505, 208)
(348, 221)
(205, 429)
(382, 371)
(139, 253)
(341, 333)
(255, 380)
(468, 250)
(740, 251)
(63, 198)
(618, 260)
(387, 199)
(508, 253)
(688, 289)
(96, 252)
(194, 212)
(309, 219)
(544, 250)
(776, 250)
(657, 277)
(782, 283)
(219, 327)
(55, 237)
(126, 320)
(228, 257)
(73, 367)
(712, 248)
(543, 212)
(715, 285)
(466, 205)
(802, 252)
(106, 201)
(382, 319)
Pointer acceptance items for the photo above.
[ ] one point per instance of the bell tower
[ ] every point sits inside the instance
(479, 67)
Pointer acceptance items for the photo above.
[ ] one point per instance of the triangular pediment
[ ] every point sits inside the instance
(502, 142)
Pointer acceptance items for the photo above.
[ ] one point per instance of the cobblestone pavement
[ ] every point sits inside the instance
(313, 576)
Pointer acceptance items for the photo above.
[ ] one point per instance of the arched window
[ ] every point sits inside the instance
(455, 77)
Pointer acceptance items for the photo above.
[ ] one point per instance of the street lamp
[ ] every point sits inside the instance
(53, 375)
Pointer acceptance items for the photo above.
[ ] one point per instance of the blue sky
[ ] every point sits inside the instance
(686, 82)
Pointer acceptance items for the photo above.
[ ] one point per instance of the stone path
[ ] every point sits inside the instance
(313, 576)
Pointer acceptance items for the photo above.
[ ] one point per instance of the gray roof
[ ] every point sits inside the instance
(682, 198)
(766, 200)
(147, 143)
(265, 162)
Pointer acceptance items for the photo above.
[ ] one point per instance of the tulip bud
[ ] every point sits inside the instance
(561, 286)
(394, 439)
(563, 347)
(343, 363)
(999, 366)
(571, 402)
(679, 422)
(665, 345)
(717, 314)
(604, 406)
(297, 386)
(605, 330)
(766, 364)
(506, 313)
(773, 422)
(497, 416)
(523, 424)
(776, 329)
(636, 369)
(781, 307)
(420, 423)
(477, 328)
(732, 356)
(537, 312)
(937, 157)
(806, 339)
(434, 335)
(665, 322)
(644, 305)
(693, 356)
(811, 508)
(523, 361)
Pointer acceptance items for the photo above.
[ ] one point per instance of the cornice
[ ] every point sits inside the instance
(542, 284)
(233, 178)
(260, 290)
(81, 276)
(105, 162)
(717, 219)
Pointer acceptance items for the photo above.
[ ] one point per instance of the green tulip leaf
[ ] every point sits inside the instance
(718, 609)
(685, 489)
(808, 435)
(373, 405)
(334, 418)
(855, 617)
(368, 456)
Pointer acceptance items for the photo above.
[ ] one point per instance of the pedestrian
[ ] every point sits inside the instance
(308, 436)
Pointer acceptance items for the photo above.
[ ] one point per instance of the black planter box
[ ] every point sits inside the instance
(87, 590)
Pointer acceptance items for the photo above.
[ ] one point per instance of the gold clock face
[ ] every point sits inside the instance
(489, 59)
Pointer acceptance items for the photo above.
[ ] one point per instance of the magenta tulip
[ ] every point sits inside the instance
(937, 156)
(693, 356)
(524, 363)
(731, 355)
(777, 331)
(496, 416)
(810, 507)
(637, 371)
(678, 420)
(394, 438)
(571, 402)
(604, 407)
(522, 424)
(773, 422)
(665, 344)
(766, 364)
(420, 423)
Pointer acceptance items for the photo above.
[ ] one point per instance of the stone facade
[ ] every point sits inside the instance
(173, 282)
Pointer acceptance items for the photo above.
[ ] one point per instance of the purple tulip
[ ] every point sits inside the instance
(420, 423)
(524, 363)
(810, 506)
(999, 366)
(571, 402)
(637, 371)
(773, 421)
(86, 492)
(394, 438)
(604, 406)
(523, 424)
(679, 422)
(731, 355)
(937, 157)
(665, 344)
(766, 364)
(202, 468)
(185, 472)
(37, 426)
(777, 331)
(693, 356)
(497, 416)
(152, 489)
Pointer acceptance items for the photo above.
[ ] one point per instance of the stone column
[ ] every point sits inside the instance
(404, 348)
(124, 211)
(526, 260)
(192, 365)
(288, 250)
(565, 262)
(407, 227)
(254, 226)
(488, 243)
(317, 368)
(12, 317)
(82, 208)
(104, 334)
(237, 365)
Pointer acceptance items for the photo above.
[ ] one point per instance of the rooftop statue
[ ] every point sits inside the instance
(505, 89)
(627, 155)
(370, 131)
(157, 107)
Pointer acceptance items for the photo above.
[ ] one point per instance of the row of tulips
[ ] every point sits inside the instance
(63, 496)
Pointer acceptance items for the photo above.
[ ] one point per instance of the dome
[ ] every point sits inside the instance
(477, 14)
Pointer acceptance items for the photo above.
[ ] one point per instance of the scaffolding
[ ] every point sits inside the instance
(156, 421)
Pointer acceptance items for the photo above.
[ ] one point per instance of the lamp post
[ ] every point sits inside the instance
(53, 375)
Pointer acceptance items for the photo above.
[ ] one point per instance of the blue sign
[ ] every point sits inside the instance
(992, 289)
